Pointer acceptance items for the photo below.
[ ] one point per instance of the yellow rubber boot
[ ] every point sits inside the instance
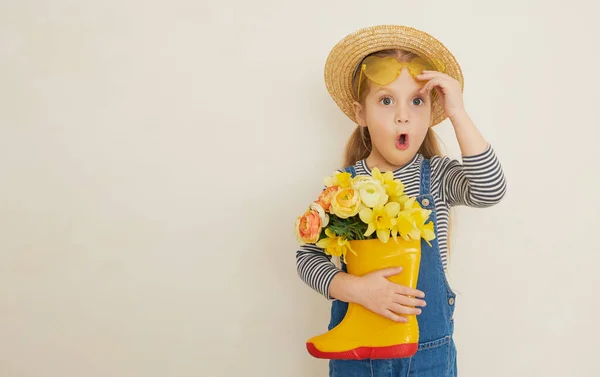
(363, 334)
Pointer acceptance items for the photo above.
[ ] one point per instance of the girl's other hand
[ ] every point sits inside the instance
(376, 293)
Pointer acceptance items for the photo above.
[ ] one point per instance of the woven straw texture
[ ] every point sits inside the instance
(345, 56)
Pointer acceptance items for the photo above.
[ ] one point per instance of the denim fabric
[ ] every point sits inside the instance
(436, 355)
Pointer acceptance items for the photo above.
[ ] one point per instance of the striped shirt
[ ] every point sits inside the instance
(477, 182)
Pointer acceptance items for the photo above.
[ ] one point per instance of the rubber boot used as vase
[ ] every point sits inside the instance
(363, 334)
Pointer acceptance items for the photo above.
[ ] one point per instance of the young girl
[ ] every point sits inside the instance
(396, 83)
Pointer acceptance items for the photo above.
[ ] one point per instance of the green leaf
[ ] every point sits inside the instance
(351, 228)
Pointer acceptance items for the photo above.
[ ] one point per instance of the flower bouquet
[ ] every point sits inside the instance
(371, 224)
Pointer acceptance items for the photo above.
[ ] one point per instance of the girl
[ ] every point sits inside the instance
(396, 83)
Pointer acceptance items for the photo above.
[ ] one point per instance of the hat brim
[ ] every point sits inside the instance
(350, 51)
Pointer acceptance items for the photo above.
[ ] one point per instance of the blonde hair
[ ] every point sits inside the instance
(358, 146)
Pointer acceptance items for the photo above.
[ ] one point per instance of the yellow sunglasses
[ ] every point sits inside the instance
(383, 71)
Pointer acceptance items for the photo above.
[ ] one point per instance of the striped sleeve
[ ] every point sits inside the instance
(478, 182)
(315, 268)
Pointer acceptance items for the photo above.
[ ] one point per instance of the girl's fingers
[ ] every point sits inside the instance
(431, 84)
(409, 301)
(407, 291)
(401, 309)
(425, 77)
(431, 74)
(435, 73)
(393, 316)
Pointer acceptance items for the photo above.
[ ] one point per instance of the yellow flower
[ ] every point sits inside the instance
(408, 203)
(406, 227)
(342, 179)
(428, 233)
(370, 190)
(410, 223)
(393, 187)
(420, 216)
(345, 203)
(334, 245)
(380, 219)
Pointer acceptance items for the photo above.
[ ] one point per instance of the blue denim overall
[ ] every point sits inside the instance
(436, 355)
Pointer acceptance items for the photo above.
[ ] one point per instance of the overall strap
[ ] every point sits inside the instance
(425, 177)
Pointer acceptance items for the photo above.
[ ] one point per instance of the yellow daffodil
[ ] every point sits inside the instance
(408, 203)
(380, 219)
(410, 223)
(343, 180)
(393, 187)
(420, 216)
(335, 245)
(406, 227)
(428, 232)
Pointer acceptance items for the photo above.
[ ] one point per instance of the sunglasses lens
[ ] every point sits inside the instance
(382, 71)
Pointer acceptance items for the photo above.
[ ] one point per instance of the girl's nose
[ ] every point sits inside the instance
(402, 114)
(402, 118)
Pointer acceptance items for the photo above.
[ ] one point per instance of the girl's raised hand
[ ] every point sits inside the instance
(448, 89)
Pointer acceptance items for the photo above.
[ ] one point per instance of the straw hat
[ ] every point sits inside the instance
(344, 58)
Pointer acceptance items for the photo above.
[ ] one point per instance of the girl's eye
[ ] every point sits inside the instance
(416, 101)
(386, 101)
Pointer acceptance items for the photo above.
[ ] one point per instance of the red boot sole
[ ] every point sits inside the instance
(360, 353)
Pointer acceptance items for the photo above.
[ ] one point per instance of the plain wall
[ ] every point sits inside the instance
(154, 157)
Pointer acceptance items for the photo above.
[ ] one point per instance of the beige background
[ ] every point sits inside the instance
(154, 156)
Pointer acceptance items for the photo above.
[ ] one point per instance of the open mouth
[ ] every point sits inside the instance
(402, 142)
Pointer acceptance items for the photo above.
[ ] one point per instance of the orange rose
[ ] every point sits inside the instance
(326, 196)
(308, 227)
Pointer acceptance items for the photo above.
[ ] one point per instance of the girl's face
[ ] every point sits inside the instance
(398, 118)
